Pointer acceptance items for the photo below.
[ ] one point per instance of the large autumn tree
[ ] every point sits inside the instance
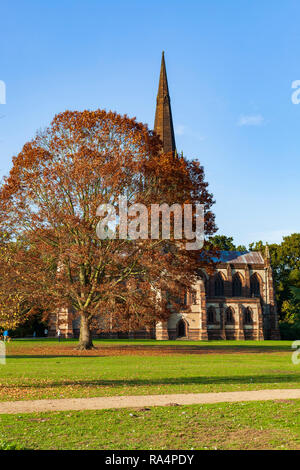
(48, 204)
(12, 308)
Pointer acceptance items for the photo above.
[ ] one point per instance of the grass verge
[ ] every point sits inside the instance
(253, 425)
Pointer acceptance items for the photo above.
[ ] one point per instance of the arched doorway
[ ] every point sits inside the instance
(181, 329)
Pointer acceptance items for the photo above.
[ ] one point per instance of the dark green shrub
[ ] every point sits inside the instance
(289, 331)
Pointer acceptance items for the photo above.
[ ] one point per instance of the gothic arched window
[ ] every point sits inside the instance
(185, 298)
(248, 316)
(219, 285)
(236, 286)
(229, 317)
(211, 315)
(254, 286)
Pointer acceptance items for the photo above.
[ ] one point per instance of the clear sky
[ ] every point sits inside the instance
(230, 68)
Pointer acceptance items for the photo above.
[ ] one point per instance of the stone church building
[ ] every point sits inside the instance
(236, 301)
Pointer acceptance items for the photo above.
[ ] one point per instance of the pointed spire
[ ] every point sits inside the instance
(163, 124)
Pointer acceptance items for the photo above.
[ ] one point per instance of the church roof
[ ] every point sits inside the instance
(163, 124)
(240, 257)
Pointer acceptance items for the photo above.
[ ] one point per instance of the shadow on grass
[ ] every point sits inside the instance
(234, 380)
(56, 356)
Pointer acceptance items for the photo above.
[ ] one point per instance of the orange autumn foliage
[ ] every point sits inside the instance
(49, 201)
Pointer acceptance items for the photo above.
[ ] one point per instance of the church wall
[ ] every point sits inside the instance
(263, 309)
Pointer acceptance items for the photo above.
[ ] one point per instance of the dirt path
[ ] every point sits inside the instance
(100, 403)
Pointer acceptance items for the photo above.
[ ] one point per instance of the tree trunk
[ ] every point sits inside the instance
(85, 337)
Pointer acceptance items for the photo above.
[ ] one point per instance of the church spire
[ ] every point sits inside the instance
(163, 124)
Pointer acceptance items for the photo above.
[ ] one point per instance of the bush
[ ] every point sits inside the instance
(289, 331)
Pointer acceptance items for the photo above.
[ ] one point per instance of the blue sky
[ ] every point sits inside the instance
(230, 67)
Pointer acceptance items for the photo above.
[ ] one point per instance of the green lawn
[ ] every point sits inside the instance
(255, 425)
(37, 369)
(48, 369)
